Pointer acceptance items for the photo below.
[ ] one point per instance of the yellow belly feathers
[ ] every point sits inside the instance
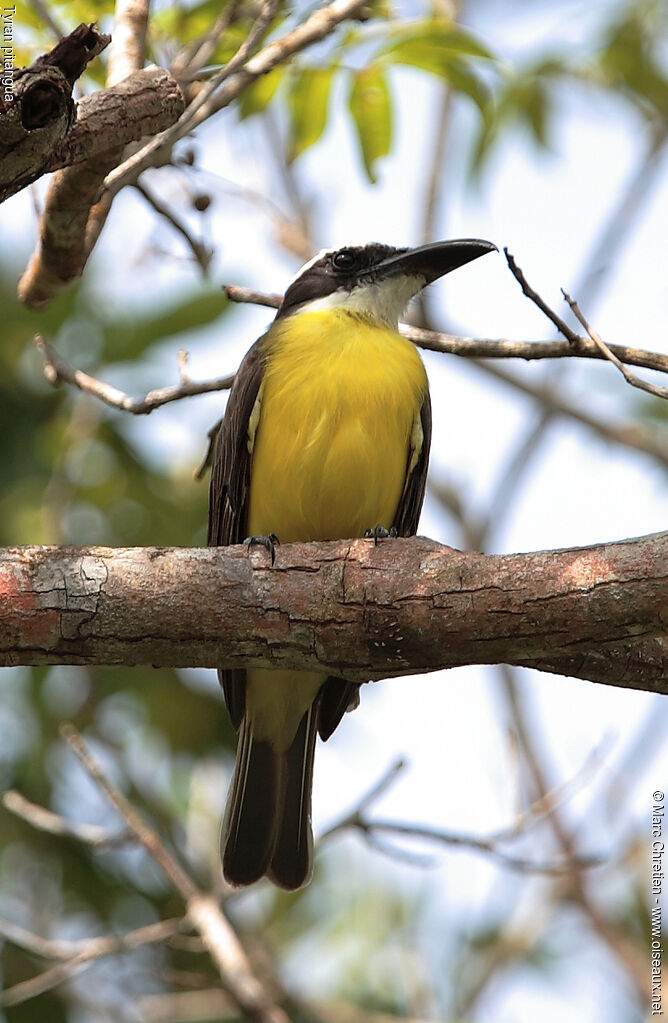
(338, 407)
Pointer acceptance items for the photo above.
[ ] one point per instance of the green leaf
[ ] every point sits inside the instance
(259, 95)
(445, 64)
(308, 105)
(536, 112)
(631, 59)
(524, 101)
(187, 24)
(444, 37)
(442, 48)
(370, 104)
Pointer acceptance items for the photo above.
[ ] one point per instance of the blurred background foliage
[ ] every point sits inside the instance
(75, 472)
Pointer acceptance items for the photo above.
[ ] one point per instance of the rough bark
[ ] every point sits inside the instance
(143, 104)
(347, 607)
(41, 112)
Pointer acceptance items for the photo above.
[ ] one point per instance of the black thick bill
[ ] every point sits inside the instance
(432, 261)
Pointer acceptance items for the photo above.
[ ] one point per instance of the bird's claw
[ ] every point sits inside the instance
(270, 542)
(379, 533)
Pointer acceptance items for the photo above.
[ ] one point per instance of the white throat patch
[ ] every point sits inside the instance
(384, 301)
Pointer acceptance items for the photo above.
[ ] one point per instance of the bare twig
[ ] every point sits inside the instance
(262, 22)
(539, 809)
(46, 820)
(603, 350)
(197, 54)
(202, 253)
(182, 358)
(238, 293)
(606, 351)
(473, 842)
(616, 227)
(294, 234)
(189, 118)
(57, 369)
(47, 17)
(203, 910)
(136, 824)
(629, 434)
(78, 954)
(546, 803)
(633, 435)
(317, 26)
(91, 948)
(486, 348)
(382, 785)
(374, 793)
(607, 929)
(561, 326)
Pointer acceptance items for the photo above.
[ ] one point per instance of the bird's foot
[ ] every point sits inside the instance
(379, 533)
(271, 542)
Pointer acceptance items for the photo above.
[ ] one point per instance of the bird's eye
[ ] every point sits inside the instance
(344, 260)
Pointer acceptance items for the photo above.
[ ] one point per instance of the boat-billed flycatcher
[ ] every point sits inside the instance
(326, 435)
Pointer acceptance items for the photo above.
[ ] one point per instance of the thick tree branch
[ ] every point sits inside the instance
(146, 102)
(346, 607)
(41, 111)
(75, 211)
(128, 49)
(80, 199)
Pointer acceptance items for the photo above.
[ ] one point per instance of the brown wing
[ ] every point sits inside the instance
(230, 472)
(228, 491)
(337, 694)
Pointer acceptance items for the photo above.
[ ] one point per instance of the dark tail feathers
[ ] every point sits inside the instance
(267, 828)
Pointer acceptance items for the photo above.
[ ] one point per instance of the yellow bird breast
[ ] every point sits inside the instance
(339, 402)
